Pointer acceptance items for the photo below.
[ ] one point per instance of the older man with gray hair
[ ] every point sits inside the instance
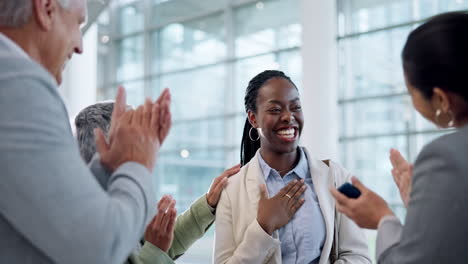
(92, 117)
(161, 240)
(54, 208)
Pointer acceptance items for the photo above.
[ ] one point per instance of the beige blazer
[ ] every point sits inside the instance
(240, 239)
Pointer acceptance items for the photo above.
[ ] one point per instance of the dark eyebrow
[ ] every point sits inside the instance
(278, 102)
(274, 102)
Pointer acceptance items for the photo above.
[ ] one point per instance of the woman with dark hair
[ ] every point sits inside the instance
(435, 64)
(278, 208)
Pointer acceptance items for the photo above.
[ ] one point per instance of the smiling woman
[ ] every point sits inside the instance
(275, 112)
(264, 215)
(271, 100)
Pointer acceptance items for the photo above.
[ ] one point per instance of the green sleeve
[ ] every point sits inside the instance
(150, 254)
(190, 226)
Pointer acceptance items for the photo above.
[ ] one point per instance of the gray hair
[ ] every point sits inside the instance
(94, 116)
(16, 13)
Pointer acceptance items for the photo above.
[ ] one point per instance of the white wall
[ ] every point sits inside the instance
(79, 78)
(319, 56)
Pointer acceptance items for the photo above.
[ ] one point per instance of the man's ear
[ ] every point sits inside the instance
(44, 12)
(252, 119)
(441, 100)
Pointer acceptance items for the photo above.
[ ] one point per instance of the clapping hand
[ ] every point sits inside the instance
(165, 120)
(160, 231)
(402, 172)
(135, 135)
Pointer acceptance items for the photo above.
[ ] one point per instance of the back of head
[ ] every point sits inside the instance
(16, 13)
(250, 143)
(94, 116)
(436, 55)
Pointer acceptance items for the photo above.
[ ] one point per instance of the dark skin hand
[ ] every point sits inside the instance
(218, 185)
(275, 212)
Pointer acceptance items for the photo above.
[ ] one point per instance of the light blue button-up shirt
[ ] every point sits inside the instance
(303, 237)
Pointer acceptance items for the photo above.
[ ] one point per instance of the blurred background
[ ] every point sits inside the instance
(344, 55)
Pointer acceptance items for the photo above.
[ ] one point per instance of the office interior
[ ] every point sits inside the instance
(344, 56)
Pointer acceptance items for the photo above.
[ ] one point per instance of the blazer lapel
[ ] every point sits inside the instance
(254, 178)
(322, 179)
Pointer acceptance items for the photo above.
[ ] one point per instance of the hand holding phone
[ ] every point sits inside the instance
(349, 190)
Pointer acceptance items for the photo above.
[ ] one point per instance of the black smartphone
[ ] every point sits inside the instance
(349, 190)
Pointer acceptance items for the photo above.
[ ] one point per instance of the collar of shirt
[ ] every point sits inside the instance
(13, 46)
(301, 169)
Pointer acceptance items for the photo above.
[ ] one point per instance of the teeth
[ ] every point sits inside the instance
(286, 132)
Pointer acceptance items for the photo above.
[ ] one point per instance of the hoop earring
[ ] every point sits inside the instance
(452, 120)
(250, 135)
(437, 116)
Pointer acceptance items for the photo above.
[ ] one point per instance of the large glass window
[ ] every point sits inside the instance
(260, 28)
(130, 58)
(130, 17)
(205, 52)
(197, 93)
(193, 43)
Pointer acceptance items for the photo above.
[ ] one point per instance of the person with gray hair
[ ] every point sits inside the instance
(17, 13)
(92, 117)
(161, 240)
(53, 207)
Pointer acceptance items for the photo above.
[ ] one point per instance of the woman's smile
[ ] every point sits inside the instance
(287, 134)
